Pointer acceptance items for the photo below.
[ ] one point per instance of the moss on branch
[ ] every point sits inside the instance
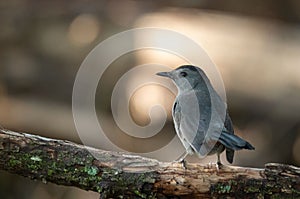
(121, 175)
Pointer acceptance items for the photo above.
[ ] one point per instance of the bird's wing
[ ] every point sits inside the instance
(188, 125)
(221, 109)
(228, 124)
(200, 120)
(176, 113)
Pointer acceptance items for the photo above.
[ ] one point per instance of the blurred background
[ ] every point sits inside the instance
(256, 47)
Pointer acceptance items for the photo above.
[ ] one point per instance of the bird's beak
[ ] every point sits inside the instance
(164, 74)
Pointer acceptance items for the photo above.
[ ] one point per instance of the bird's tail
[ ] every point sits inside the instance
(234, 142)
(229, 155)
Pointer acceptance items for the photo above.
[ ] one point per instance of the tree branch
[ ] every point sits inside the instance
(114, 174)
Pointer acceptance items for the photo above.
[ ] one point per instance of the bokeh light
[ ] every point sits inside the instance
(84, 29)
(122, 12)
(145, 98)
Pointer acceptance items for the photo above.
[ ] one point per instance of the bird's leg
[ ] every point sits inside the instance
(182, 160)
(219, 164)
(219, 161)
(183, 163)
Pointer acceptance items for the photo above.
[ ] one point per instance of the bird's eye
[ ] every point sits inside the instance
(183, 74)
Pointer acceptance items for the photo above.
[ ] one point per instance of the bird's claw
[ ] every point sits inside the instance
(183, 163)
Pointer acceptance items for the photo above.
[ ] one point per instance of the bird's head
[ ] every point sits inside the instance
(185, 77)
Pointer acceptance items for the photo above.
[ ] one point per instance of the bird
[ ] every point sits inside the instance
(200, 116)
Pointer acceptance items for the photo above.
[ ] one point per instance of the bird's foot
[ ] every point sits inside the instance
(219, 165)
(183, 163)
(211, 166)
(214, 166)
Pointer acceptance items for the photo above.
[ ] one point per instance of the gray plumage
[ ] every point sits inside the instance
(200, 116)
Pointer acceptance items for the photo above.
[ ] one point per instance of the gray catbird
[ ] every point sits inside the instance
(200, 115)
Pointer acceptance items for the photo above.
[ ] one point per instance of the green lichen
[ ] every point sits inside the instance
(252, 189)
(36, 158)
(256, 188)
(77, 168)
(252, 186)
(233, 182)
(50, 172)
(34, 167)
(260, 196)
(223, 188)
(138, 193)
(14, 163)
(296, 191)
(116, 183)
(91, 170)
(32, 162)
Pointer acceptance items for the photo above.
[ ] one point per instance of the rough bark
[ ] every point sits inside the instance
(123, 175)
